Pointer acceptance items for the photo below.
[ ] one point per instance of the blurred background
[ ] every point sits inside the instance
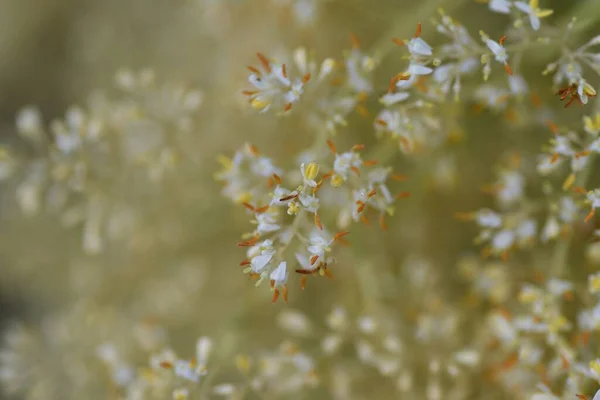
(172, 258)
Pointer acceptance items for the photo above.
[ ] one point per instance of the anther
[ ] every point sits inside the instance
(331, 146)
(264, 61)
(318, 221)
(418, 32)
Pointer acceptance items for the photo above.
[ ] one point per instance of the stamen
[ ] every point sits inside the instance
(463, 216)
(405, 143)
(166, 365)
(590, 215)
(554, 158)
(535, 100)
(264, 61)
(372, 193)
(289, 197)
(403, 195)
(365, 220)
(508, 69)
(314, 259)
(362, 110)
(399, 178)
(244, 263)
(318, 221)
(355, 170)
(361, 206)
(340, 235)
(303, 280)
(253, 150)
(283, 71)
(418, 33)
(579, 190)
(331, 146)
(552, 127)
(275, 296)
(370, 163)
(382, 223)
(381, 122)
(502, 39)
(306, 78)
(277, 179)
(248, 243)
(305, 271)
(248, 206)
(319, 184)
(358, 147)
(581, 396)
(254, 70)
(355, 41)
(287, 107)
(250, 92)
(262, 209)
(399, 42)
(285, 294)
(272, 283)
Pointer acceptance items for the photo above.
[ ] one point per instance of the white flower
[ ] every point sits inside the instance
(500, 6)
(309, 173)
(419, 47)
(309, 202)
(488, 219)
(534, 12)
(279, 275)
(272, 86)
(346, 161)
(319, 244)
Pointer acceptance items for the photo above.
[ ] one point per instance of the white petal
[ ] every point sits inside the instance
(393, 98)
(419, 47)
(417, 69)
(279, 274)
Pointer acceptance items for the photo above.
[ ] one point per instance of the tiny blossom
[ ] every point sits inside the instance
(498, 50)
(500, 6)
(533, 11)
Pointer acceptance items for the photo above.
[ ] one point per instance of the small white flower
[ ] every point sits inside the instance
(534, 12)
(279, 275)
(419, 47)
(500, 6)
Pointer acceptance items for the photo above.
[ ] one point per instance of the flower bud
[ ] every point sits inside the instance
(311, 171)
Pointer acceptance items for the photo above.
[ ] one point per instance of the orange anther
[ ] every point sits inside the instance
(284, 71)
(287, 107)
(354, 40)
(418, 32)
(502, 39)
(306, 78)
(340, 235)
(370, 163)
(355, 170)
(264, 62)
(399, 42)
(314, 259)
(254, 70)
(318, 221)
(331, 146)
(277, 179)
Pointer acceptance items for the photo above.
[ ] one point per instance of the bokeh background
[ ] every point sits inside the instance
(179, 264)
